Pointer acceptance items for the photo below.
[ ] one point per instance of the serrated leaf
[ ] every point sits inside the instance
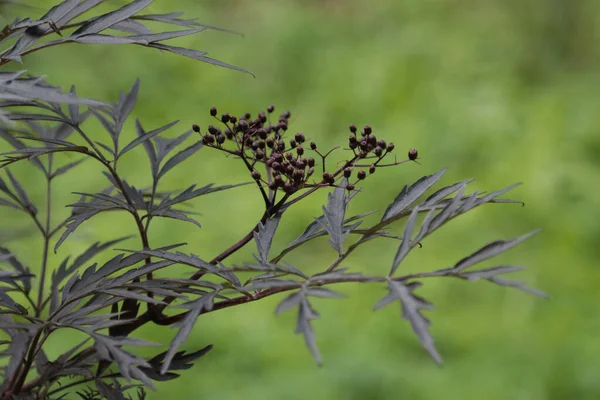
(204, 303)
(17, 266)
(28, 205)
(148, 147)
(67, 167)
(191, 193)
(490, 250)
(448, 212)
(181, 361)
(303, 326)
(146, 136)
(165, 145)
(197, 55)
(292, 300)
(445, 192)
(178, 158)
(125, 106)
(131, 26)
(406, 244)
(264, 237)
(490, 272)
(518, 285)
(408, 195)
(74, 222)
(173, 214)
(334, 214)
(107, 20)
(7, 302)
(411, 311)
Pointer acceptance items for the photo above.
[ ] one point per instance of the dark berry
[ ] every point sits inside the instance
(361, 174)
(372, 169)
(225, 118)
(292, 143)
(299, 137)
(390, 147)
(213, 111)
(367, 129)
(300, 150)
(413, 154)
(255, 175)
(313, 146)
(221, 138)
(347, 172)
(213, 130)
(311, 162)
(259, 154)
(327, 177)
(353, 128)
(288, 188)
(350, 187)
(196, 128)
(271, 108)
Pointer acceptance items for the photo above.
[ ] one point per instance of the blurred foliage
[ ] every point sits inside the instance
(501, 91)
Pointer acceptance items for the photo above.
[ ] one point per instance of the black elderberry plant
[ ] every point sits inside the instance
(108, 303)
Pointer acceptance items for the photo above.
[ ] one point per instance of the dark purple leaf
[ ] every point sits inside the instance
(109, 19)
(408, 195)
(411, 311)
(204, 303)
(490, 250)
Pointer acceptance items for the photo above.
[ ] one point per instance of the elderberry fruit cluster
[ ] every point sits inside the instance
(261, 141)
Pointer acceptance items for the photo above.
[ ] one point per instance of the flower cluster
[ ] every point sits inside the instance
(287, 166)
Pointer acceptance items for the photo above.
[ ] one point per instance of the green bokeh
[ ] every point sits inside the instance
(501, 91)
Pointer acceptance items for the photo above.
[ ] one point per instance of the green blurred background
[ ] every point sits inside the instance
(501, 91)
